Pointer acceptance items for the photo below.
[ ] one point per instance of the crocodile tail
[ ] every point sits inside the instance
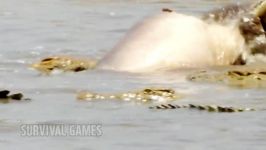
(208, 108)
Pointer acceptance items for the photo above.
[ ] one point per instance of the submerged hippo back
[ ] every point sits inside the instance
(170, 40)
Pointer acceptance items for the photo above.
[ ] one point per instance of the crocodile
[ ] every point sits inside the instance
(147, 95)
(208, 108)
(64, 64)
(6, 97)
(234, 35)
(162, 96)
(238, 77)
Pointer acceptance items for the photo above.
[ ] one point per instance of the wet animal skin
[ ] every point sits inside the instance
(232, 35)
(250, 29)
(6, 97)
(208, 108)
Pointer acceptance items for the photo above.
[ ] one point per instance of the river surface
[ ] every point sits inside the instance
(34, 29)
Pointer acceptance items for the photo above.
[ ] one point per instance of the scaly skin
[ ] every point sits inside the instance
(147, 95)
(245, 78)
(251, 22)
(157, 95)
(64, 63)
(208, 108)
(250, 19)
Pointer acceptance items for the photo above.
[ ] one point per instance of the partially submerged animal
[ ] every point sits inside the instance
(208, 108)
(6, 97)
(147, 95)
(232, 35)
(169, 40)
(160, 96)
(238, 77)
(64, 63)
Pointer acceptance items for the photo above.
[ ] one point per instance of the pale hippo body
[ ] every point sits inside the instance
(170, 40)
(232, 35)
